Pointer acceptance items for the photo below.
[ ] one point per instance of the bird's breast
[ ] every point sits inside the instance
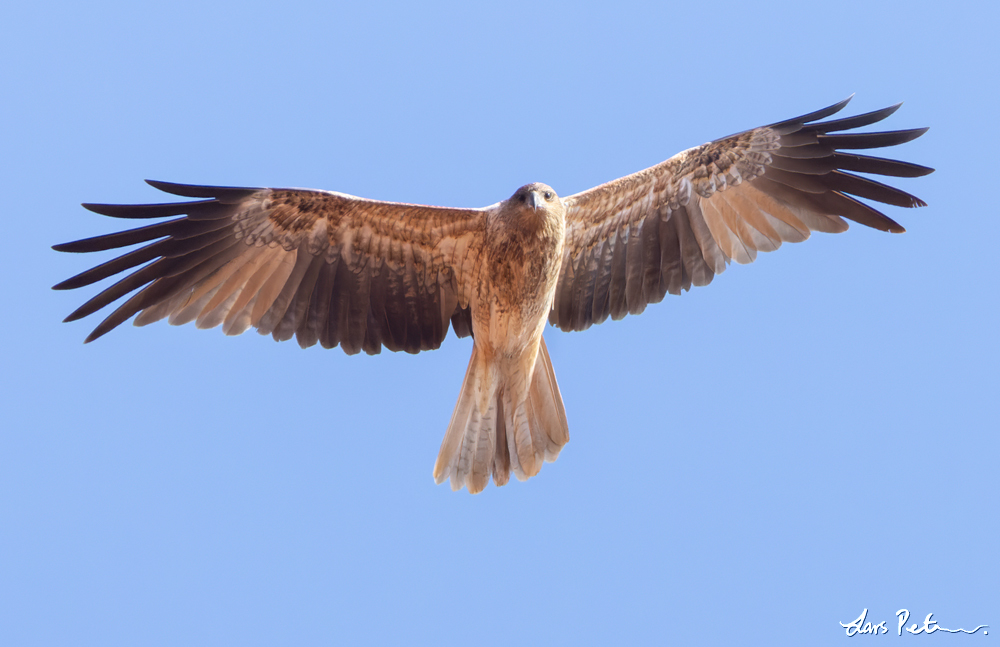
(521, 270)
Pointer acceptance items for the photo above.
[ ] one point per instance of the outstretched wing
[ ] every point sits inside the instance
(318, 265)
(679, 223)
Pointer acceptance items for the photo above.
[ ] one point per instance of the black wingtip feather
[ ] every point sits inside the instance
(879, 165)
(69, 284)
(815, 116)
(870, 189)
(221, 193)
(158, 210)
(855, 141)
(857, 121)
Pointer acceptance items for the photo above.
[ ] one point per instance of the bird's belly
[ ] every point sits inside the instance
(519, 299)
(515, 327)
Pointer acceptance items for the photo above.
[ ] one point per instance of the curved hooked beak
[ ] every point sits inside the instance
(535, 200)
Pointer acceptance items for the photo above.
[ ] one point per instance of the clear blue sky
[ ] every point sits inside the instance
(755, 461)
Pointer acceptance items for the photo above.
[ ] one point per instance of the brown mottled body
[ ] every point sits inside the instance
(522, 251)
(335, 269)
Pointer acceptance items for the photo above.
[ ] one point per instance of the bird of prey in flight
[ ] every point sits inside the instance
(328, 267)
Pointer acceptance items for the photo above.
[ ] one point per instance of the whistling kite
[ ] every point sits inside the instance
(332, 268)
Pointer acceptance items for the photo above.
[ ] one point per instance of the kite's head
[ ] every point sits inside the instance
(535, 204)
(535, 196)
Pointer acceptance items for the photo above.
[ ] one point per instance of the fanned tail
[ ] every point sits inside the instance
(499, 425)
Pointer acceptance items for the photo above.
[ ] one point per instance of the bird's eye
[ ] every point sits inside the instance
(548, 195)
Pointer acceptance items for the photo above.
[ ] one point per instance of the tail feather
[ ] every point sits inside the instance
(520, 429)
(527, 456)
(482, 451)
(451, 447)
(501, 456)
(467, 450)
(515, 462)
(547, 404)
